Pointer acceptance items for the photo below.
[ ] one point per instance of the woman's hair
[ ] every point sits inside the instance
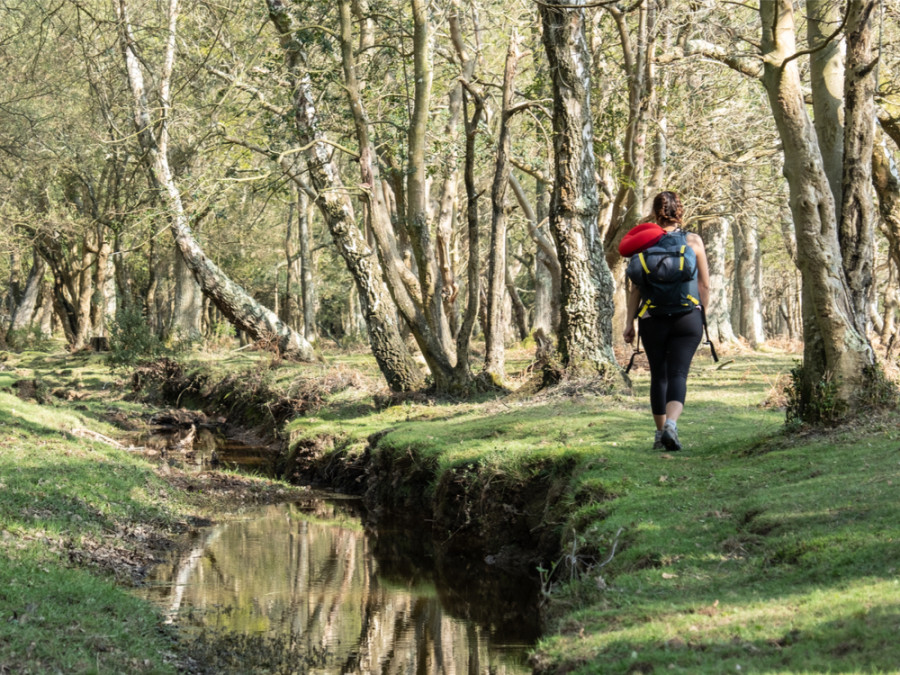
(668, 209)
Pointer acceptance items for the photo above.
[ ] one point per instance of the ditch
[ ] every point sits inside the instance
(318, 585)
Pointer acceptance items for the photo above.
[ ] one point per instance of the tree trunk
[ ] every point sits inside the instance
(826, 66)
(13, 291)
(45, 310)
(23, 312)
(292, 302)
(637, 58)
(718, 313)
(520, 314)
(836, 350)
(857, 211)
(574, 203)
(234, 302)
(746, 314)
(473, 282)
(628, 204)
(187, 310)
(85, 294)
(417, 226)
(101, 286)
(388, 347)
(307, 283)
(887, 187)
(149, 295)
(450, 183)
(547, 271)
(72, 283)
(495, 330)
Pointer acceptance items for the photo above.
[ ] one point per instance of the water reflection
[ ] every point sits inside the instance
(363, 602)
(201, 448)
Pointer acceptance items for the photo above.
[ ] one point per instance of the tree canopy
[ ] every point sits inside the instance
(402, 173)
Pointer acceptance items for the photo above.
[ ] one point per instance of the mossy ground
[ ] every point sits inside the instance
(753, 550)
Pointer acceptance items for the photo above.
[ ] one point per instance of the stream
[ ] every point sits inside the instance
(316, 578)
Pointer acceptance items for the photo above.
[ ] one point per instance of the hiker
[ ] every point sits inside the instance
(671, 331)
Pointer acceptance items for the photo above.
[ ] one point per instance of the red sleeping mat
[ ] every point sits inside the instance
(639, 238)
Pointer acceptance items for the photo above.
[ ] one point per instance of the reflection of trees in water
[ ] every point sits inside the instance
(307, 574)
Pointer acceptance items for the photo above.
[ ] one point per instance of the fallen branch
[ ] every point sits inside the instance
(81, 432)
(94, 436)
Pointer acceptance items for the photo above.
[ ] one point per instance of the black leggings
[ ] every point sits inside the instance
(670, 343)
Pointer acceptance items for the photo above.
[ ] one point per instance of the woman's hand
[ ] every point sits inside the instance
(628, 333)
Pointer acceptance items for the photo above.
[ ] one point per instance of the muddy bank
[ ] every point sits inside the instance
(512, 522)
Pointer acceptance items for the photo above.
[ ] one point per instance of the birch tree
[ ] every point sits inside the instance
(232, 300)
(585, 330)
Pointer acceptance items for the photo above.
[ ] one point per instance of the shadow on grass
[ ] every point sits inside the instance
(54, 480)
(10, 419)
(864, 641)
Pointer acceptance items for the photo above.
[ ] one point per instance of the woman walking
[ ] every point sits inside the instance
(671, 330)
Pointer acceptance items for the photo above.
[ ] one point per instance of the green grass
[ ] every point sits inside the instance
(752, 548)
(65, 505)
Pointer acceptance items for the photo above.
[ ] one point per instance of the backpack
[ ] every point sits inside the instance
(666, 273)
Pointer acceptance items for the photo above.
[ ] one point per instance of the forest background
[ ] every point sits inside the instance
(403, 174)
(438, 181)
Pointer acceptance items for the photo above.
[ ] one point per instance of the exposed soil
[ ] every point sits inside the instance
(511, 522)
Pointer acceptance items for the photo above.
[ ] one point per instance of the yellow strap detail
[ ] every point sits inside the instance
(643, 262)
(693, 299)
(644, 309)
(681, 266)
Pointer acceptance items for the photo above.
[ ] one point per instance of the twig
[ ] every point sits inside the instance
(613, 552)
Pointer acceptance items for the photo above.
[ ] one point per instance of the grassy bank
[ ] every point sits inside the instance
(81, 519)
(753, 550)
(750, 551)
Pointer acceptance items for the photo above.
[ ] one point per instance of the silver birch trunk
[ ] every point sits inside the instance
(235, 303)
(574, 202)
(495, 330)
(387, 345)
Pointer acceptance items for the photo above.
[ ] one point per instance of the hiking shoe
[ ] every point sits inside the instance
(669, 438)
(657, 441)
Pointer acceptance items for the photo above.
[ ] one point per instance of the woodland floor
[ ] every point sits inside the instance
(755, 549)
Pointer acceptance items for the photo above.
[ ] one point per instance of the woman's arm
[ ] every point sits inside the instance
(696, 243)
(634, 299)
